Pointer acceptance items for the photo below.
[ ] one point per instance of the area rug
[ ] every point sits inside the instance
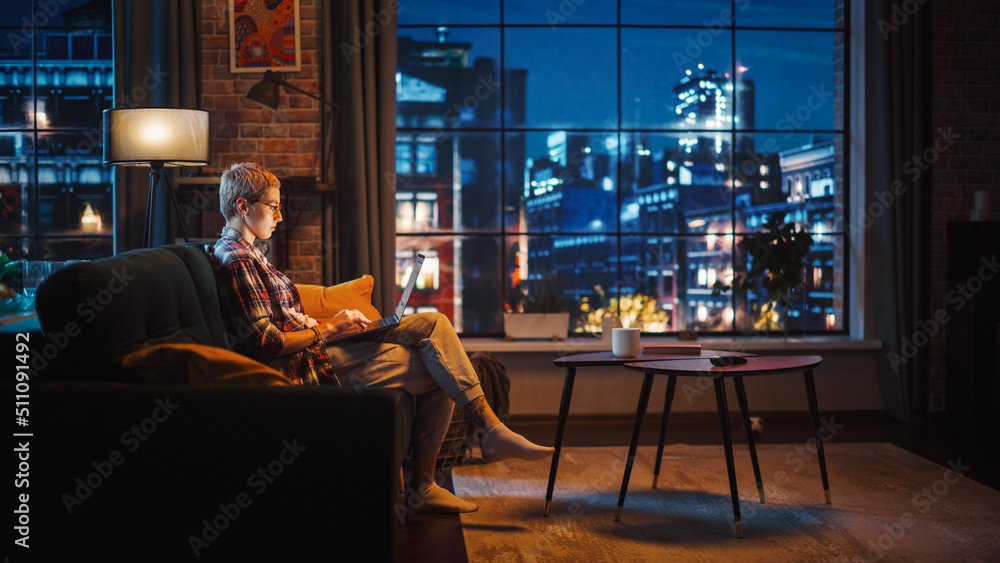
(888, 505)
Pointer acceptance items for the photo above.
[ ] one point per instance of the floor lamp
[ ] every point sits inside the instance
(156, 137)
(267, 92)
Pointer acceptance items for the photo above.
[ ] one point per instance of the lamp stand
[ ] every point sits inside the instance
(154, 180)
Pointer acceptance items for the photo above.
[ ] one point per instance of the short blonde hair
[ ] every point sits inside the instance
(247, 180)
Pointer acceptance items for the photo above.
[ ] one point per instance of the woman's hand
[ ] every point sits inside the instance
(348, 320)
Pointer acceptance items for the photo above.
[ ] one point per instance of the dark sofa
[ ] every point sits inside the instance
(130, 471)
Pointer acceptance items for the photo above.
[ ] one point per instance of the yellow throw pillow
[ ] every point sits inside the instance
(198, 364)
(321, 303)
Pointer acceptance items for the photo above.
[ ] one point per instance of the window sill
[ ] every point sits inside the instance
(586, 345)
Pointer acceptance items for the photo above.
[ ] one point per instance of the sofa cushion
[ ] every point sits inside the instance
(321, 303)
(198, 364)
(94, 313)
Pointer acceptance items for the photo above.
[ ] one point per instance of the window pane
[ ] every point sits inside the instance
(706, 261)
(443, 12)
(562, 181)
(72, 107)
(74, 194)
(452, 83)
(569, 87)
(460, 278)
(676, 183)
(576, 269)
(454, 186)
(823, 14)
(56, 191)
(799, 174)
(663, 86)
(16, 177)
(708, 13)
(818, 305)
(16, 103)
(789, 78)
(560, 12)
(666, 282)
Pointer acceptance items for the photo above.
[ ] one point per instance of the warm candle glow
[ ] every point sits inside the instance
(90, 222)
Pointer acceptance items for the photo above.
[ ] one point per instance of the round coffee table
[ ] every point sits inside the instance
(603, 359)
(760, 365)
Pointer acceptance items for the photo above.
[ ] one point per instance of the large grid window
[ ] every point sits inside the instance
(617, 152)
(57, 79)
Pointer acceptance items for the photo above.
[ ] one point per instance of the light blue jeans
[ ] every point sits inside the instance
(423, 356)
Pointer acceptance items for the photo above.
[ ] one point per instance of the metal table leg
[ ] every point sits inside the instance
(814, 410)
(640, 414)
(668, 400)
(741, 397)
(567, 395)
(720, 398)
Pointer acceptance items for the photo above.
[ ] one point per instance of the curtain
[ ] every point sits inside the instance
(897, 117)
(359, 72)
(157, 45)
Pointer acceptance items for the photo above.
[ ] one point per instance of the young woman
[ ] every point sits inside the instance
(422, 355)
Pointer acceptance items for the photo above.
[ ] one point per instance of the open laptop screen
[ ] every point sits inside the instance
(408, 288)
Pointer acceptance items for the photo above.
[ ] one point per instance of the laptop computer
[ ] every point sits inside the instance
(386, 322)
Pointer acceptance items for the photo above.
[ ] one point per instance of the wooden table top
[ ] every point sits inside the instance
(609, 359)
(758, 365)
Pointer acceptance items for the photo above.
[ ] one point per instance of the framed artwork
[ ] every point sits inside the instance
(264, 35)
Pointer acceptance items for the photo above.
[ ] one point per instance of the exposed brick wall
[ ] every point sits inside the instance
(965, 96)
(286, 141)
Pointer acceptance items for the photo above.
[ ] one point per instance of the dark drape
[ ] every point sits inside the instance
(359, 70)
(897, 117)
(157, 46)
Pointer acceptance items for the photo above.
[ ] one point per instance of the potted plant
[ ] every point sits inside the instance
(777, 264)
(10, 282)
(535, 314)
(600, 313)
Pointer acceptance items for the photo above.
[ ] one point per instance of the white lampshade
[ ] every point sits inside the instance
(164, 136)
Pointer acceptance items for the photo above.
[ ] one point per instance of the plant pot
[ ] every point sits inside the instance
(550, 326)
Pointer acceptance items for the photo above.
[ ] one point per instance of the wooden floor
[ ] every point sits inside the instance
(438, 538)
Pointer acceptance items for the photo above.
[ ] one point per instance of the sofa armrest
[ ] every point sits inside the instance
(170, 472)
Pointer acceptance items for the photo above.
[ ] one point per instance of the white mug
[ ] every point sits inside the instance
(625, 342)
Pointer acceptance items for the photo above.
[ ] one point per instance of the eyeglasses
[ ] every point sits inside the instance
(275, 208)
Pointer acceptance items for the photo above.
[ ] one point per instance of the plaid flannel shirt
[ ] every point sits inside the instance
(260, 305)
